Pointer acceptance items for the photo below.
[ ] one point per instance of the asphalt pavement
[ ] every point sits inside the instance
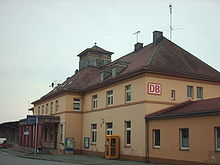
(8, 155)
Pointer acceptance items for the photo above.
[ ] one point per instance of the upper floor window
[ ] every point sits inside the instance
(127, 93)
(94, 101)
(76, 104)
(46, 109)
(217, 135)
(200, 92)
(156, 138)
(127, 132)
(51, 107)
(42, 108)
(109, 128)
(173, 95)
(109, 98)
(184, 138)
(38, 110)
(56, 105)
(94, 132)
(189, 91)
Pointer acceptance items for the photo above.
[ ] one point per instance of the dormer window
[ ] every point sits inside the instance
(118, 67)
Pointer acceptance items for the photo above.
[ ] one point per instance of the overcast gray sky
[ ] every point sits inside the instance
(40, 39)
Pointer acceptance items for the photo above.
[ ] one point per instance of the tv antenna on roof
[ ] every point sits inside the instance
(136, 33)
(171, 28)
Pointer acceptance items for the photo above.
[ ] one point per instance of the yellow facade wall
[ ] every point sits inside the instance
(201, 139)
(78, 124)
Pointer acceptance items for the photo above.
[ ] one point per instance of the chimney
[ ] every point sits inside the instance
(157, 36)
(138, 46)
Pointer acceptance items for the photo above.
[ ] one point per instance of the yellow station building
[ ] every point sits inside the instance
(118, 98)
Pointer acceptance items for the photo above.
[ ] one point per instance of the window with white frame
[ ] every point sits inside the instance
(217, 133)
(156, 138)
(173, 95)
(109, 98)
(109, 128)
(56, 105)
(189, 91)
(94, 133)
(184, 138)
(76, 104)
(128, 93)
(94, 101)
(127, 132)
(200, 92)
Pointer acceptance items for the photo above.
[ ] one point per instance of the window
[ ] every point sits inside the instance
(184, 138)
(61, 133)
(128, 93)
(156, 135)
(46, 109)
(94, 132)
(76, 104)
(38, 110)
(51, 107)
(94, 101)
(42, 109)
(108, 128)
(199, 92)
(217, 138)
(57, 105)
(127, 132)
(173, 95)
(109, 98)
(189, 91)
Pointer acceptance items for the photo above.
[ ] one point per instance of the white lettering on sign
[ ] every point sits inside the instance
(154, 89)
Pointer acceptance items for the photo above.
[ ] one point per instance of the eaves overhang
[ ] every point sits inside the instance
(62, 91)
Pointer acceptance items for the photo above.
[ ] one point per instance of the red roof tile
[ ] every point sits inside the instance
(164, 57)
(189, 108)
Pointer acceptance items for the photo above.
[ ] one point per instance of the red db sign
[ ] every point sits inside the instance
(154, 89)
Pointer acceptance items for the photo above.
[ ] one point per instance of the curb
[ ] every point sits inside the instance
(41, 158)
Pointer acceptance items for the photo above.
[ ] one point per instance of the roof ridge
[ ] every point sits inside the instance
(155, 54)
(128, 54)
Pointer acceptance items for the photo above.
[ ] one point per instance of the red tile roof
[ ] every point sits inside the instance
(189, 108)
(164, 57)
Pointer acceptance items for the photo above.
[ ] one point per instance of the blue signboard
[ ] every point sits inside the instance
(31, 119)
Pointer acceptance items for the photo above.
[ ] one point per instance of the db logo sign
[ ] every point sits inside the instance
(154, 89)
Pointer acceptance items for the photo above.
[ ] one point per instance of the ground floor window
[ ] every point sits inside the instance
(109, 128)
(217, 138)
(156, 138)
(94, 133)
(184, 139)
(61, 133)
(127, 132)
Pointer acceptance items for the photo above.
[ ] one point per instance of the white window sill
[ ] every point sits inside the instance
(218, 149)
(184, 148)
(157, 147)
